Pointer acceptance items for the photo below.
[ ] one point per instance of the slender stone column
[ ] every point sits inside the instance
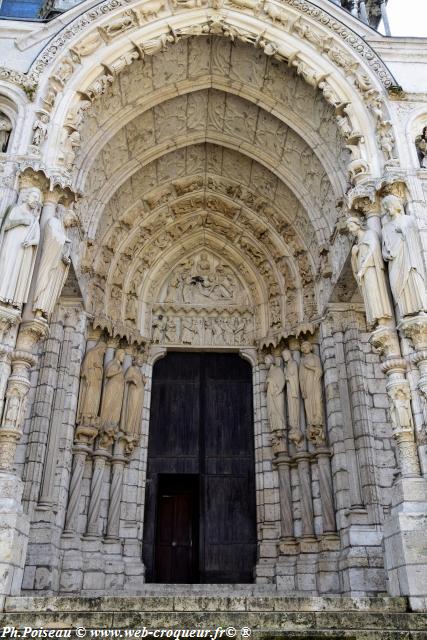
(325, 484)
(283, 464)
(306, 499)
(416, 330)
(118, 462)
(100, 457)
(83, 441)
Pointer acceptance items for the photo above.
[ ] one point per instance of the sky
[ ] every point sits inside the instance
(408, 17)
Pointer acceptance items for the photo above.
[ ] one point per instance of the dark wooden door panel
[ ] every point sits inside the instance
(202, 424)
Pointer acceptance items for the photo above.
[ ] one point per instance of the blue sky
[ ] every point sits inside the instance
(408, 17)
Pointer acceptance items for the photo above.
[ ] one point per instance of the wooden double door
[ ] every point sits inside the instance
(200, 515)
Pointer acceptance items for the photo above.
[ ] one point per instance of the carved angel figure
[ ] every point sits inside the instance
(369, 271)
(91, 384)
(402, 251)
(275, 387)
(55, 261)
(21, 236)
(133, 401)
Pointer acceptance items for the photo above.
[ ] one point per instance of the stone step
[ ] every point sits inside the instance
(315, 618)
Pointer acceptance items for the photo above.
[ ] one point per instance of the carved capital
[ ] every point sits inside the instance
(416, 330)
(392, 183)
(363, 197)
(85, 435)
(9, 317)
(386, 341)
(30, 333)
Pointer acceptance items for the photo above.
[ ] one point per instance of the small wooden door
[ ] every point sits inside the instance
(176, 547)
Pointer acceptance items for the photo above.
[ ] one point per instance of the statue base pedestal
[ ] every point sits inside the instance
(14, 530)
(405, 542)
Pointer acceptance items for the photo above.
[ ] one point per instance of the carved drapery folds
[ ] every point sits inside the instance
(21, 236)
(108, 429)
(55, 261)
(401, 251)
(295, 413)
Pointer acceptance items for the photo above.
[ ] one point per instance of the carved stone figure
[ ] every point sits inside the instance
(275, 387)
(112, 396)
(157, 45)
(55, 261)
(400, 411)
(21, 236)
(421, 145)
(159, 327)
(310, 379)
(369, 272)
(91, 384)
(69, 145)
(5, 131)
(40, 129)
(133, 401)
(292, 398)
(402, 251)
(187, 331)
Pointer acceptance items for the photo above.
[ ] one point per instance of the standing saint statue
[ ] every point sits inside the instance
(91, 385)
(275, 387)
(293, 398)
(133, 401)
(402, 251)
(369, 272)
(21, 236)
(55, 261)
(112, 397)
(310, 379)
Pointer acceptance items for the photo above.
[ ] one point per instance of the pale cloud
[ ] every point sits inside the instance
(408, 17)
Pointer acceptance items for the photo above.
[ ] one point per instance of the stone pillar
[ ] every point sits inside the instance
(13, 522)
(100, 456)
(405, 537)
(118, 462)
(84, 438)
(322, 456)
(306, 501)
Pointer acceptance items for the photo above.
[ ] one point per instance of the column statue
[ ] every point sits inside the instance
(55, 261)
(293, 398)
(133, 401)
(112, 397)
(21, 235)
(369, 272)
(91, 384)
(275, 387)
(310, 378)
(402, 251)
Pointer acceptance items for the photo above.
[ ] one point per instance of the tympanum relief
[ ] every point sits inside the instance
(203, 303)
